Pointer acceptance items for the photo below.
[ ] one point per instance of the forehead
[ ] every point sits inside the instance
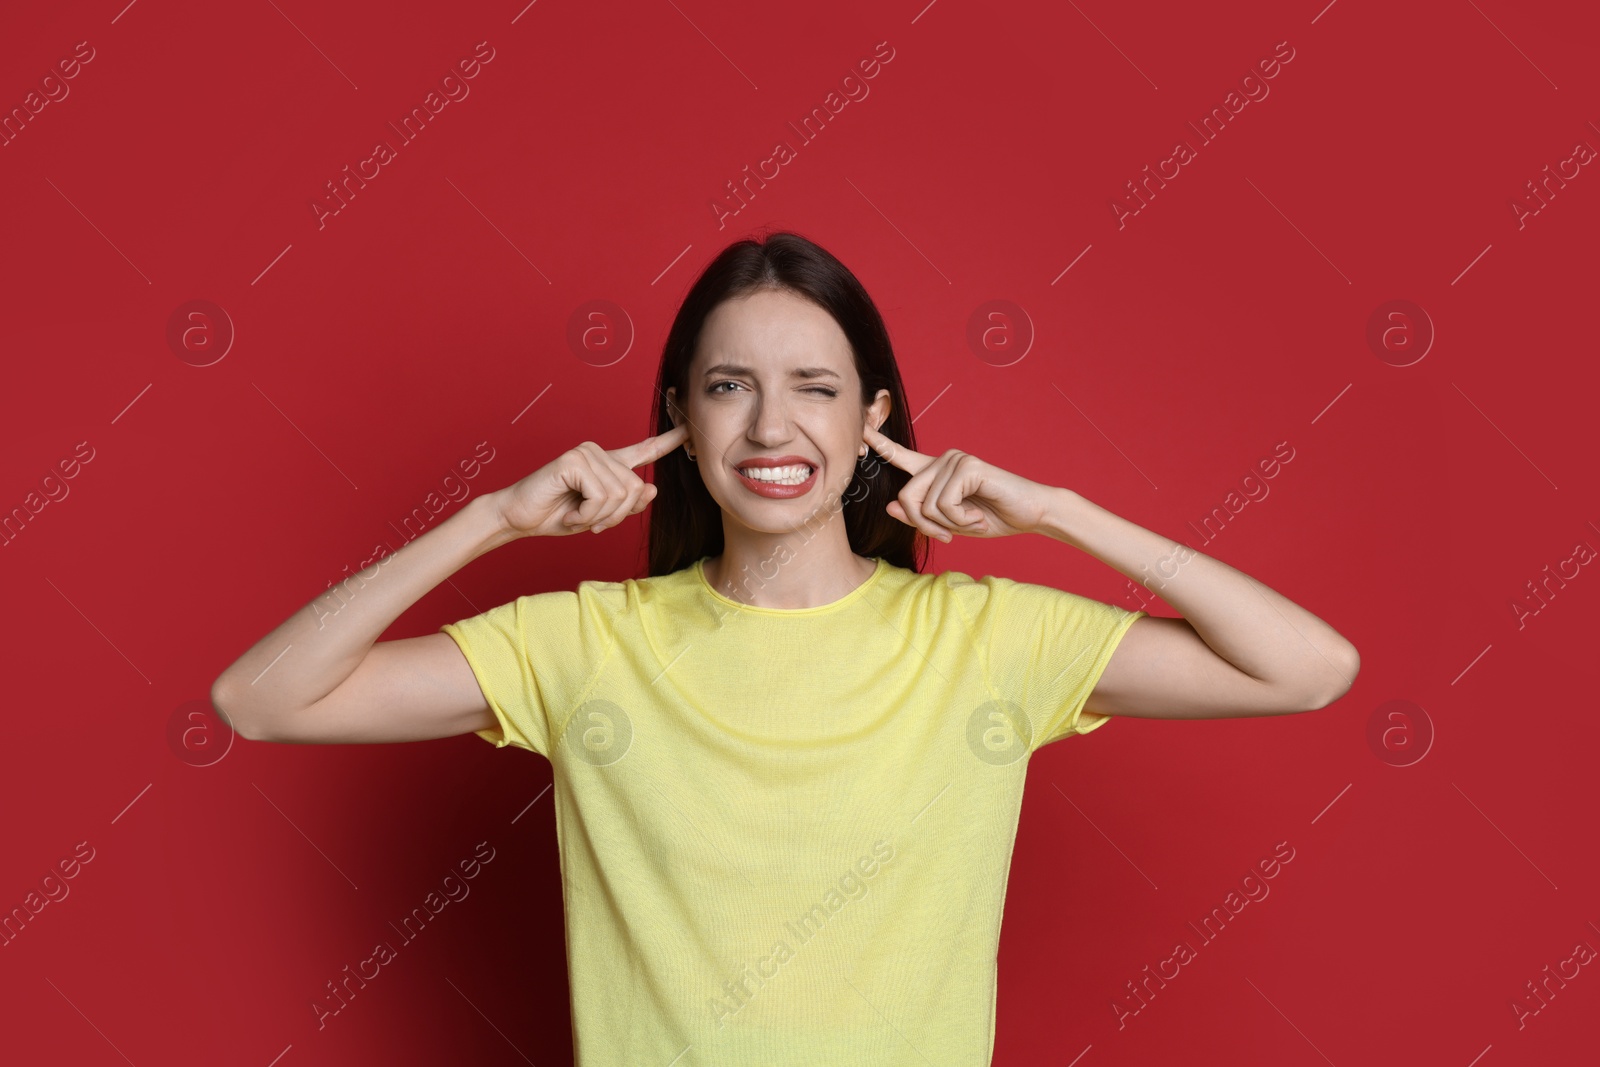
(772, 327)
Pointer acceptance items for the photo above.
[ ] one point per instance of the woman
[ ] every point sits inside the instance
(788, 764)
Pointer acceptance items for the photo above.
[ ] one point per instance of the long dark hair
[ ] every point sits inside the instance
(685, 521)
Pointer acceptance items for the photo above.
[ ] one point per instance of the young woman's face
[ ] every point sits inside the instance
(774, 378)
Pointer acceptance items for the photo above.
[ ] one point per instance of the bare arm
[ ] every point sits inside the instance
(1240, 648)
(322, 677)
(417, 688)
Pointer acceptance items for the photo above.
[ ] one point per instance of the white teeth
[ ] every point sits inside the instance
(778, 475)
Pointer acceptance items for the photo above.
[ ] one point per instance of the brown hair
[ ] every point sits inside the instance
(685, 521)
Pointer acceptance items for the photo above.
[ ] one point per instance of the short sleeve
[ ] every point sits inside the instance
(1044, 650)
(532, 657)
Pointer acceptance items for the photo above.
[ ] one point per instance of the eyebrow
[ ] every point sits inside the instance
(798, 372)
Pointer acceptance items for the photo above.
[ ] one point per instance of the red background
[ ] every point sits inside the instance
(375, 352)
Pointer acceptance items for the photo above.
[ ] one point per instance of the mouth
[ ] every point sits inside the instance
(779, 482)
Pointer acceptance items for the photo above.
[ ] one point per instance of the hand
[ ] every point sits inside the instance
(585, 488)
(961, 493)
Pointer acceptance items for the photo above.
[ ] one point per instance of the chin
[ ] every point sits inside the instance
(758, 515)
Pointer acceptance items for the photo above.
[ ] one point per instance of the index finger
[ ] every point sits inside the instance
(652, 448)
(899, 455)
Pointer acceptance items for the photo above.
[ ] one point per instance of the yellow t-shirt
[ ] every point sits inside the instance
(785, 833)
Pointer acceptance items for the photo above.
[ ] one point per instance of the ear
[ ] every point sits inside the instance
(672, 407)
(878, 410)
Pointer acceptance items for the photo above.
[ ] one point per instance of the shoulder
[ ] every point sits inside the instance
(961, 588)
(994, 600)
(934, 595)
(633, 594)
(590, 598)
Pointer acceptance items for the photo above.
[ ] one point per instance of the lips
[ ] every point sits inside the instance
(774, 489)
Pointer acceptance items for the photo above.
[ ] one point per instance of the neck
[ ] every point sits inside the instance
(782, 571)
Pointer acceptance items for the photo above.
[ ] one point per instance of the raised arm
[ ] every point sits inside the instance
(1240, 648)
(321, 677)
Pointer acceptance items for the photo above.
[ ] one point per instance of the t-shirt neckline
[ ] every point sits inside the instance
(880, 566)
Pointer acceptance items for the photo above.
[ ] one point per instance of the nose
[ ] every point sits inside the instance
(771, 425)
